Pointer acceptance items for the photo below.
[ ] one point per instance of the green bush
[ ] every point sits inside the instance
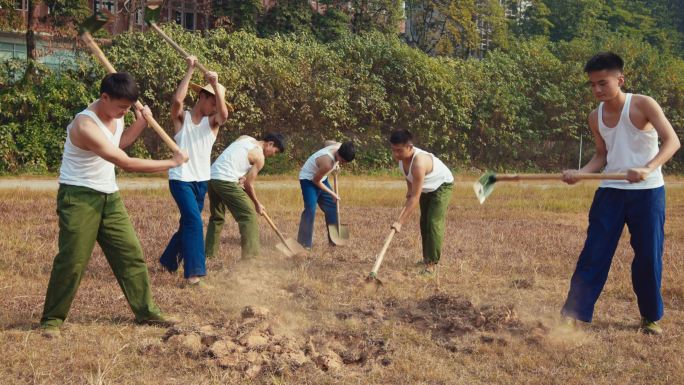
(523, 107)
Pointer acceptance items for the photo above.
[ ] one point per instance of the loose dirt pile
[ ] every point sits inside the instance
(253, 346)
(447, 317)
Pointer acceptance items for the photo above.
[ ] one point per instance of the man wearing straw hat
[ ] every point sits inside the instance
(196, 131)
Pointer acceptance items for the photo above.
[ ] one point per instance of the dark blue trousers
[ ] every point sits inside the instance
(187, 244)
(644, 213)
(313, 195)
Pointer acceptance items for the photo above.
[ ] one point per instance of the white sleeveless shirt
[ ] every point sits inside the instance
(310, 167)
(85, 168)
(629, 147)
(233, 163)
(197, 140)
(439, 175)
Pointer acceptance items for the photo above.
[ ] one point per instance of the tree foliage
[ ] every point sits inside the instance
(522, 107)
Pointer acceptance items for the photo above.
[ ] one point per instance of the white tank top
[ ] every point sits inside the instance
(85, 168)
(439, 175)
(628, 147)
(197, 140)
(310, 167)
(233, 163)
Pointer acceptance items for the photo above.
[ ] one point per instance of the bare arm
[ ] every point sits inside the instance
(421, 164)
(86, 135)
(600, 158)
(325, 165)
(330, 143)
(256, 158)
(181, 92)
(133, 131)
(221, 114)
(668, 137)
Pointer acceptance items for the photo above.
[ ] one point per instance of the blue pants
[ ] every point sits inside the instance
(644, 213)
(187, 244)
(313, 195)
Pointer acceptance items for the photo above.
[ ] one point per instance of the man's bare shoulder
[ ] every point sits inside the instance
(593, 118)
(422, 162)
(82, 126)
(255, 155)
(643, 101)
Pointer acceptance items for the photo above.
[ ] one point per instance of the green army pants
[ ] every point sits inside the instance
(229, 195)
(86, 216)
(433, 210)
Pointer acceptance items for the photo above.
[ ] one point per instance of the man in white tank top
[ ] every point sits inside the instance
(429, 184)
(242, 160)
(313, 179)
(195, 132)
(90, 207)
(625, 128)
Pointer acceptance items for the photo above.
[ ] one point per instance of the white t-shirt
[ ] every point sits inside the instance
(197, 140)
(629, 147)
(310, 167)
(233, 163)
(439, 175)
(85, 168)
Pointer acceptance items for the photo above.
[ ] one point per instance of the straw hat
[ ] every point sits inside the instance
(208, 88)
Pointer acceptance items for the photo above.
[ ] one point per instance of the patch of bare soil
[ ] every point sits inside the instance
(446, 316)
(254, 346)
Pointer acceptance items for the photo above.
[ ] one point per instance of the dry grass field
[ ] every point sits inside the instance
(490, 316)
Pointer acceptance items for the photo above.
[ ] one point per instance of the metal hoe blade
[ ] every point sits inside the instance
(295, 248)
(484, 186)
(339, 234)
(152, 12)
(372, 278)
(93, 23)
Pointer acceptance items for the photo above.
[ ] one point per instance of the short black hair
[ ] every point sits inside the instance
(120, 85)
(277, 138)
(400, 137)
(347, 151)
(604, 61)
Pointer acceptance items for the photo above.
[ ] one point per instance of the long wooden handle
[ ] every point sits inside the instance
(176, 46)
(337, 202)
(513, 177)
(380, 257)
(378, 260)
(95, 49)
(273, 226)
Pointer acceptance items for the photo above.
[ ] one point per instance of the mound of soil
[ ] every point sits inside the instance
(252, 346)
(447, 317)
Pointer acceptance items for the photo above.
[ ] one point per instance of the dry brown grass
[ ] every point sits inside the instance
(489, 318)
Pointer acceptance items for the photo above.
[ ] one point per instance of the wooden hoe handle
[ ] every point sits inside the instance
(95, 49)
(513, 177)
(273, 226)
(176, 46)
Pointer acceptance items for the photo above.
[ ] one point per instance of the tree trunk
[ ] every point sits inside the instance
(30, 45)
(131, 16)
(30, 34)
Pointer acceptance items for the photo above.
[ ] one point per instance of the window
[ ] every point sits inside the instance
(179, 18)
(189, 21)
(12, 51)
(101, 5)
(21, 5)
